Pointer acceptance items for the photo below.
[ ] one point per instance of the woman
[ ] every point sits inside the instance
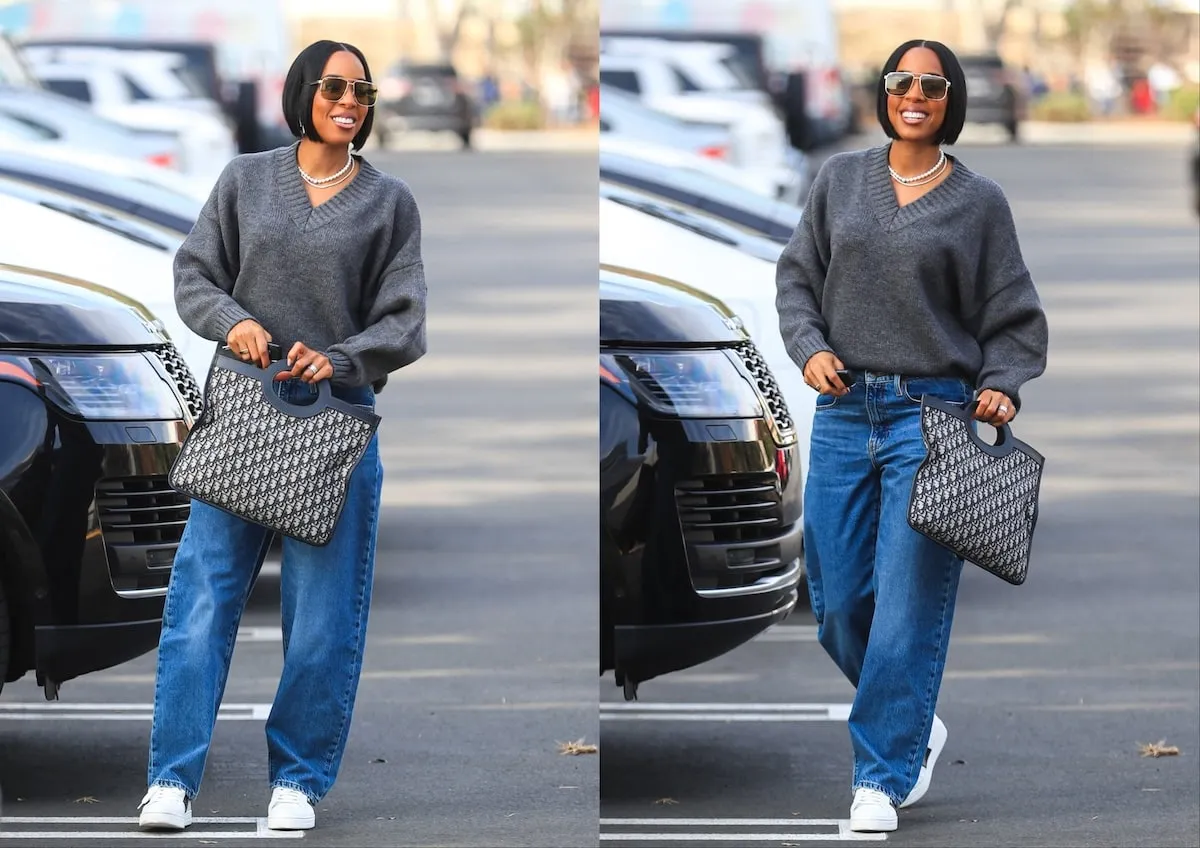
(905, 276)
(312, 248)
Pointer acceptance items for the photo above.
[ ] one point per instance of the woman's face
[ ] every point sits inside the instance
(913, 117)
(337, 122)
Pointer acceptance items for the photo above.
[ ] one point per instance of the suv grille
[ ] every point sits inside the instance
(183, 378)
(727, 510)
(140, 511)
(757, 366)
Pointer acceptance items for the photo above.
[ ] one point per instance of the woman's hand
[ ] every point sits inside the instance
(307, 364)
(820, 372)
(248, 341)
(994, 407)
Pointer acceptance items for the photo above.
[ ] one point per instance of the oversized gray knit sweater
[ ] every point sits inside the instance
(345, 278)
(934, 288)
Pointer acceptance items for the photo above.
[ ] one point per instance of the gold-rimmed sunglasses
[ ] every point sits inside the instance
(334, 88)
(933, 86)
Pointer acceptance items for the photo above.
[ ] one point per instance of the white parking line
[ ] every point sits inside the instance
(788, 633)
(196, 831)
(737, 830)
(639, 711)
(117, 712)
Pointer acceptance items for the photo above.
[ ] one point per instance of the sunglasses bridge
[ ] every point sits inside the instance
(334, 89)
(933, 86)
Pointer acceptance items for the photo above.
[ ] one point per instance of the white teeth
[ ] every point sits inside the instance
(913, 116)
(345, 122)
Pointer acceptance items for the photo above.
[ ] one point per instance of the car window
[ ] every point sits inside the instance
(685, 82)
(136, 92)
(76, 89)
(27, 130)
(624, 80)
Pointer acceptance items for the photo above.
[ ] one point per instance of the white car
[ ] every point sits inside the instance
(675, 159)
(760, 141)
(50, 241)
(746, 284)
(206, 141)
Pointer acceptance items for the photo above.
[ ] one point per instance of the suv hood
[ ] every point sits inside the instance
(639, 308)
(53, 311)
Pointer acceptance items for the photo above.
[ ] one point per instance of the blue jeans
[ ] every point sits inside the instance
(326, 595)
(883, 594)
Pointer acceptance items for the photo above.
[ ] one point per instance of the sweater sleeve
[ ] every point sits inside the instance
(206, 266)
(800, 274)
(1008, 320)
(394, 331)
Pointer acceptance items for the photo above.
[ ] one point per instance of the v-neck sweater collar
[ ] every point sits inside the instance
(295, 197)
(893, 216)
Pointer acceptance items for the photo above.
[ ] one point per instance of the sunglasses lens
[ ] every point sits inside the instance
(933, 87)
(897, 83)
(333, 88)
(365, 93)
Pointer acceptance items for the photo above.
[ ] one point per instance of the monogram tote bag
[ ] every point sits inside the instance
(979, 500)
(280, 465)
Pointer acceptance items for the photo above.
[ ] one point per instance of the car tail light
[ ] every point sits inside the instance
(714, 151)
(163, 160)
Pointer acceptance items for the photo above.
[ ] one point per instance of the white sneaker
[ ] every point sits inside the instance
(871, 812)
(289, 810)
(937, 741)
(165, 808)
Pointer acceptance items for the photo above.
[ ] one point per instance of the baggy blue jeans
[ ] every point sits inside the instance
(326, 596)
(883, 594)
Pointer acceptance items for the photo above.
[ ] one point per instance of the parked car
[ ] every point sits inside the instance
(700, 501)
(428, 97)
(94, 405)
(759, 140)
(631, 238)
(61, 120)
(624, 116)
(702, 191)
(51, 242)
(155, 195)
(206, 138)
(698, 222)
(994, 95)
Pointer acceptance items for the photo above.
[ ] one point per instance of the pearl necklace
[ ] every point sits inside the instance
(325, 181)
(921, 179)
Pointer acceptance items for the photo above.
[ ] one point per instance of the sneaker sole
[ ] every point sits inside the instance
(163, 821)
(937, 741)
(865, 825)
(287, 823)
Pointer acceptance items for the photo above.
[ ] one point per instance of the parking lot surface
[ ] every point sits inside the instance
(1051, 687)
(482, 649)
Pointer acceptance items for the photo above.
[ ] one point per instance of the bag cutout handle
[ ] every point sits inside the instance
(267, 377)
(1005, 441)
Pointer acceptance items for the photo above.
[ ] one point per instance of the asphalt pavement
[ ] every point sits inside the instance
(1051, 687)
(481, 654)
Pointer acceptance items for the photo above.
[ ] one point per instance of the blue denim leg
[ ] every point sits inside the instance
(215, 565)
(326, 597)
(886, 592)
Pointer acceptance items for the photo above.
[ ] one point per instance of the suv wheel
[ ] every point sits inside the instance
(465, 135)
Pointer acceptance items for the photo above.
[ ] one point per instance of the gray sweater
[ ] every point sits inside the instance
(934, 288)
(346, 278)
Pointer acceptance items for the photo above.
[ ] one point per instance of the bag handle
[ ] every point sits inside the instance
(1006, 442)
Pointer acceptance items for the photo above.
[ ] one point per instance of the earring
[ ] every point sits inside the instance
(301, 127)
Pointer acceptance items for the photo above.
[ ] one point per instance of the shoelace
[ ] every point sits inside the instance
(156, 792)
(289, 796)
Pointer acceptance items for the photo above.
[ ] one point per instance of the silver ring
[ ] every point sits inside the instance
(313, 368)
(1003, 408)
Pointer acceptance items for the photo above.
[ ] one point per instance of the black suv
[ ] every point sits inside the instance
(424, 97)
(94, 405)
(701, 535)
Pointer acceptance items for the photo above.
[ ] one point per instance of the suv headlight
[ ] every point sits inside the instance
(686, 384)
(98, 386)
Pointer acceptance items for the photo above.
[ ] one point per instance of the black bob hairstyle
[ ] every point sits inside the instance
(956, 100)
(298, 94)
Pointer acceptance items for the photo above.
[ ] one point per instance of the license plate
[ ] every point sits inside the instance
(427, 95)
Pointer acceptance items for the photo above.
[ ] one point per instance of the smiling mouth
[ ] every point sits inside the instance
(913, 117)
(345, 121)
